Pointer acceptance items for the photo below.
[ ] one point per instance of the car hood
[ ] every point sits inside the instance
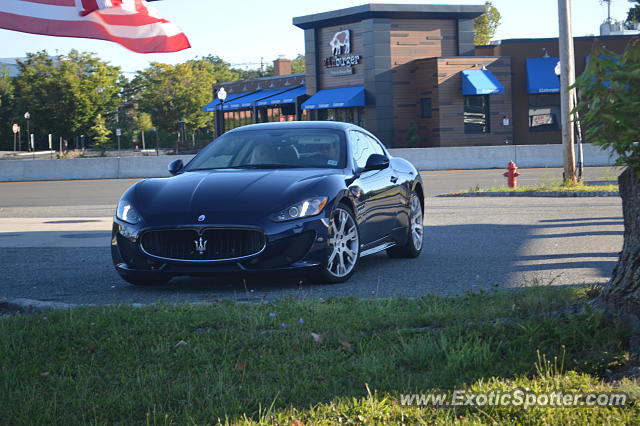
(226, 192)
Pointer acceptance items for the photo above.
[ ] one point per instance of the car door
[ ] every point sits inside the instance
(376, 188)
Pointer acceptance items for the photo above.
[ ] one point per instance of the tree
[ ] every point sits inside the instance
(142, 122)
(170, 93)
(610, 89)
(6, 88)
(298, 64)
(7, 112)
(486, 24)
(64, 94)
(100, 133)
(633, 16)
(253, 73)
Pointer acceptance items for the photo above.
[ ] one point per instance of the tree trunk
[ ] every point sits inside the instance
(621, 296)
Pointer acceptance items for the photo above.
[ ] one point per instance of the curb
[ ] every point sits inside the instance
(561, 194)
(30, 306)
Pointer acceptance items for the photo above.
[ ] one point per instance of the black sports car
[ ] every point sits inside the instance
(297, 196)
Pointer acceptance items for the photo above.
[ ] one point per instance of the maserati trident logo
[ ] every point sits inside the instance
(201, 218)
(201, 246)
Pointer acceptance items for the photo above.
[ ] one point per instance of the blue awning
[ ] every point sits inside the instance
(248, 101)
(541, 75)
(288, 97)
(215, 104)
(345, 97)
(480, 82)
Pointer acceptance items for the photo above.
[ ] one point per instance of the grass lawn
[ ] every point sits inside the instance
(547, 187)
(260, 363)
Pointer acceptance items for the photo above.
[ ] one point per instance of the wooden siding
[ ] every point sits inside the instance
(325, 35)
(522, 49)
(407, 103)
(451, 113)
(412, 41)
(417, 39)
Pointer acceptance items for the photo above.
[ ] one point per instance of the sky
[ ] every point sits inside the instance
(246, 32)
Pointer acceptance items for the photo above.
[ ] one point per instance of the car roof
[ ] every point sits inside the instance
(335, 125)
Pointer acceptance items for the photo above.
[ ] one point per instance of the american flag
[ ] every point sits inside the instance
(132, 23)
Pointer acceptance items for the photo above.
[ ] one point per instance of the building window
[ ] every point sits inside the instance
(346, 115)
(544, 112)
(425, 108)
(476, 114)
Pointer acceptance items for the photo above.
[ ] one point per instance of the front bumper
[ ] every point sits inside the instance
(290, 246)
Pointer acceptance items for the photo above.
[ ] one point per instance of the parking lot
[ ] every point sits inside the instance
(54, 245)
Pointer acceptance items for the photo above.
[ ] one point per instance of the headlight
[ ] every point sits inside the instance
(127, 213)
(309, 207)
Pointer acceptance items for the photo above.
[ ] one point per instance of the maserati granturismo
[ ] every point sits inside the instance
(306, 197)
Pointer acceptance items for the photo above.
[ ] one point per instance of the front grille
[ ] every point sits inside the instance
(209, 245)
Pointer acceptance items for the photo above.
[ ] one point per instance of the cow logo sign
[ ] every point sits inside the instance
(341, 39)
(341, 45)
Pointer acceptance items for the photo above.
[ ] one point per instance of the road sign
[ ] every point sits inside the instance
(15, 128)
(118, 132)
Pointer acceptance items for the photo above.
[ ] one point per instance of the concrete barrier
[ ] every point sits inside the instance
(475, 157)
(87, 168)
(489, 157)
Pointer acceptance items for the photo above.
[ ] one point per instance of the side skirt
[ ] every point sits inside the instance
(376, 249)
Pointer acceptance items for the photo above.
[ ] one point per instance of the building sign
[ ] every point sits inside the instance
(340, 42)
(541, 120)
(341, 71)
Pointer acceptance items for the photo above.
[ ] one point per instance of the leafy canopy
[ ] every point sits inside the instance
(170, 93)
(298, 64)
(633, 16)
(100, 132)
(66, 93)
(610, 95)
(486, 24)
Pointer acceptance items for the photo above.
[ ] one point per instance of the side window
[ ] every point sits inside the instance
(361, 148)
(376, 148)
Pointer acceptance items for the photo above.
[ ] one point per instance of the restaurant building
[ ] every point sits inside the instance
(411, 75)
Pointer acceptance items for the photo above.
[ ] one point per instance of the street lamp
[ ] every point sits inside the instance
(27, 116)
(222, 95)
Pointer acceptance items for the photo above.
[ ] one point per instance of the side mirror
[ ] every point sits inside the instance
(175, 167)
(376, 162)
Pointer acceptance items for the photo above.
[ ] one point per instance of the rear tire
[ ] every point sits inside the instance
(413, 247)
(343, 250)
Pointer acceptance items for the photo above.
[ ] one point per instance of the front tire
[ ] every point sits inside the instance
(343, 251)
(413, 246)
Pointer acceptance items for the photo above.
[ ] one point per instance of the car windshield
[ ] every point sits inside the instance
(273, 149)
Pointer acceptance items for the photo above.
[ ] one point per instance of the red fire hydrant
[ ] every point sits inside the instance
(512, 175)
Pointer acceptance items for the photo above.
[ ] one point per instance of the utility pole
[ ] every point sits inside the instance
(567, 79)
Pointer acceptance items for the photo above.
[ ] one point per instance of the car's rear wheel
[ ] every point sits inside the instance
(413, 246)
(343, 249)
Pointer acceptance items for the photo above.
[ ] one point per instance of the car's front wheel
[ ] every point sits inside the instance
(413, 246)
(343, 250)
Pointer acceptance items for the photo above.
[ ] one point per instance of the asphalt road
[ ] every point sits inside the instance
(54, 240)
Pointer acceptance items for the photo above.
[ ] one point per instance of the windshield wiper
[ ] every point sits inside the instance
(249, 166)
(206, 168)
(265, 166)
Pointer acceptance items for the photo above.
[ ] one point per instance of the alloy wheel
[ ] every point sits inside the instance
(344, 244)
(417, 227)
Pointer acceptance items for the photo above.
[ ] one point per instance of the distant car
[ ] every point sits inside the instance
(309, 197)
